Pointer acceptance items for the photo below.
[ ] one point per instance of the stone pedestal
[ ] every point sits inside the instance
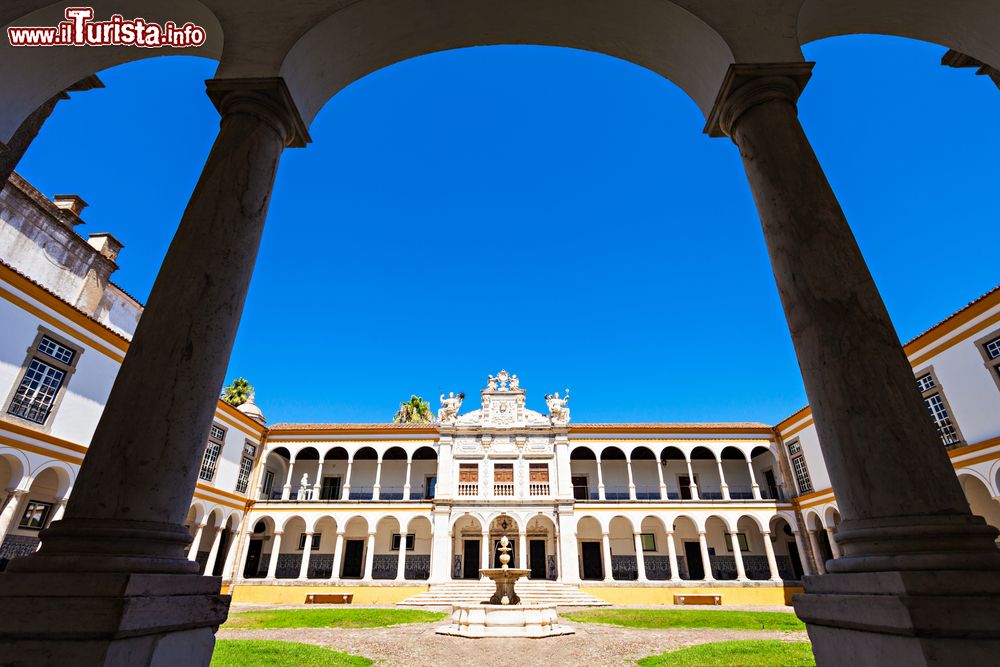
(903, 618)
(138, 620)
(488, 620)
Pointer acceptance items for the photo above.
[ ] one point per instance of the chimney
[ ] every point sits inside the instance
(72, 204)
(106, 244)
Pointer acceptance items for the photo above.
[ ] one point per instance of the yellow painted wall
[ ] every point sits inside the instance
(297, 594)
(771, 595)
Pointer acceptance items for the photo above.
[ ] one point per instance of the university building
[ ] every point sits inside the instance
(599, 513)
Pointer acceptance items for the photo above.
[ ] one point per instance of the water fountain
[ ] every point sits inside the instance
(503, 615)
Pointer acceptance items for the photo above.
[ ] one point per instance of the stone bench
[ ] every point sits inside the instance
(334, 598)
(698, 599)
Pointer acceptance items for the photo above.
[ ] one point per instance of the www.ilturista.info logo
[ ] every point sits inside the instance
(79, 29)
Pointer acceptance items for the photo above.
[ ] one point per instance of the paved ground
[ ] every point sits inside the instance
(592, 645)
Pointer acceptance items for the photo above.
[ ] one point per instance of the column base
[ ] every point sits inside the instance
(903, 617)
(105, 619)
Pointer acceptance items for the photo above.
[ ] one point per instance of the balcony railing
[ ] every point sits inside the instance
(503, 490)
(468, 488)
(538, 489)
(652, 493)
(361, 493)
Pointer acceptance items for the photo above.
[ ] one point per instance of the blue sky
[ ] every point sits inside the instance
(553, 212)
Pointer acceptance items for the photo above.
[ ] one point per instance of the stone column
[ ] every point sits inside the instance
(10, 512)
(772, 562)
(401, 566)
(569, 563)
(306, 553)
(817, 553)
(631, 482)
(367, 575)
(318, 485)
(606, 544)
(442, 545)
(706, 560)
(522, 550)
(833, 543)
(196, 542)
(722, 480)
(58, 513)
(640, 557)
(600, 481)
(213, 552)
(377, 486)
(675, 574)
(286, 489)
(485, 552)
(233, 551)
(272, 564)
(692, 485)
(659, 474)
(338, 555)
(741, 573)
(868, 413)
(753, 481)
(804, 560)
(345, 493)
(406, 483)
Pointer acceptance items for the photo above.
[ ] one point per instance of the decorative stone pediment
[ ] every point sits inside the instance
(503, 407)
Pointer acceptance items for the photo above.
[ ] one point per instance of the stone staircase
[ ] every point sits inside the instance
(530, 591)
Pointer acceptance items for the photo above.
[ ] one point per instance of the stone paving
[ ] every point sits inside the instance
(593, 644)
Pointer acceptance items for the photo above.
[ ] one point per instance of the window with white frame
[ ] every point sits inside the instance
(210, 462)
(397, 540)
(989, 347)
(799, 467)
(45, 373)
(937, 406)
(246, 467)
(36, 515)
(315, 541)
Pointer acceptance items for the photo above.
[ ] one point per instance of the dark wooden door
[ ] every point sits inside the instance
(793, 553)
(592, 560)
(771, 483)
(253, 558)
(354, 559)
(580, 489)
(496, 554)
(470, 559)
(536, 554)
(684, 482)
(692, 554)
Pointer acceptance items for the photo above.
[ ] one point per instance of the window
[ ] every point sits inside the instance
(799, 468)
(742, 539)
(36, 514)
(396, 539)
(648, 541)
(268, 484)
(430, 486)
(539, 472)
(210, 461)
(315, 541)
(246, 466)
(938, 408)
(45, 373)
(503, 479)
(989, 347)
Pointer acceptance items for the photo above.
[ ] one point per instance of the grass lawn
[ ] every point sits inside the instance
(657, 619)
(328, 618)
(257, 653)
(754, 653)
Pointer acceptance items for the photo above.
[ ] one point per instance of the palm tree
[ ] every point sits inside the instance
(238, 392)
(414, 411)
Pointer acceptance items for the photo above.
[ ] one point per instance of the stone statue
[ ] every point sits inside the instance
(305, 491)
(491, 384)
(450, 406)
(515, 383)
(558, 412)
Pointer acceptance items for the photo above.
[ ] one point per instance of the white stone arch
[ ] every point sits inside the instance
(314, 525)
(789, 518)
(624, 516)
(593, 517)
(200, 512)
(724, 517)
(233, 520)
(455, 518)
(270, 524)
(64, 473)
(418, 518)
(514, 516)
(813, 519)
(642, 518)
(216, 517)
(762, 526)
(973, 28)
(829, 520)
(981, 501)
(19, 467)
(660, 36)
(290, 519)
(695, 519)
(993, 484)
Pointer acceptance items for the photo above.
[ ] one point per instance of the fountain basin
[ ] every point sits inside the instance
(494, 620)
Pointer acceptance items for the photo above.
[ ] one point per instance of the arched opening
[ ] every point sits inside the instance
(707, 484)
(423, 474)
(469, 543)
(420, 536)
(655, 550)
(589, 542)
(323, 553)
(501, 526)
(614, 472)
(389, 550)
(275, 474)
(766, 473)
(786, 550)
(208, 540)
(542, 548)
(644, 474)
(364, 465)
(392, 477)
(624, 564)
(674, 466)
(720, 548)
(333, 473)
(305, 475)
(32, 511)
(734, 467)
(259, 548)
(980, 500)
(691, 560)
(750, 540)
(583, 470)
(357, 546)
(292, 549)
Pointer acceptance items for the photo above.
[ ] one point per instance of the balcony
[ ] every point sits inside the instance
(503, 490)
(538, 489)
(468, 489)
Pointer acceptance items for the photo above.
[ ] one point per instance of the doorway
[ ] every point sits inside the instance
(253, 559)
(496, 553)
(684, 483)
(354, 551)
(793, 553)
(536, 556)
(771, 483)
(330, 489)
(692, 554)
(470, 559)
(592, 567)
(581, 489)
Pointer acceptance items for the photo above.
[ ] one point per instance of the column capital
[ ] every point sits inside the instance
(265, 97)
(279, 533)
(308, 532)
(17, 493)
(341, 533)
(748, 84)
(701, 532)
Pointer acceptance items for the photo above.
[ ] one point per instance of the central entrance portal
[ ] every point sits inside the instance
(470, 559)
(592, 568)
(536, 558)
(353, 559)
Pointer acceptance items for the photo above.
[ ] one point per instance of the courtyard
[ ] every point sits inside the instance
(620, 635)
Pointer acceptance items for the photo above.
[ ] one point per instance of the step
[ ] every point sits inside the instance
(530, 592)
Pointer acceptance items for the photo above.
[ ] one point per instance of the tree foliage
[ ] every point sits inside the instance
(414, 411)
(238, 392)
